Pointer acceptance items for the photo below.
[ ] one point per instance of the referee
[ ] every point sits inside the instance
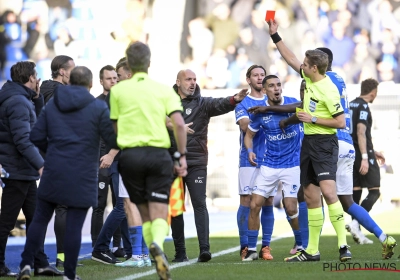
(322, 116)
(139, 106)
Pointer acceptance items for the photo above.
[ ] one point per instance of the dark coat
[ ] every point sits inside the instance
(199, 110)
(47, 89)
(18, 155)
(69, 130)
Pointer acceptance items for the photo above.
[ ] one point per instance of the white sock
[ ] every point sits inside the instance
(382, 237)
(114, 249)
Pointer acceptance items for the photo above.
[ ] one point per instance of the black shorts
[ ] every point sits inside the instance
(318, 159)
(147, 173)
(372, 178)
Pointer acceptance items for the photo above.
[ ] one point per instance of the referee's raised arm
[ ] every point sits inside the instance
(287, 54)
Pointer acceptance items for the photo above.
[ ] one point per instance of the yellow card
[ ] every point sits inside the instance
(299, 110)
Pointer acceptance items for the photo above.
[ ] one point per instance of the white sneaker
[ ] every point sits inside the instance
(365, 240)
(355, 231)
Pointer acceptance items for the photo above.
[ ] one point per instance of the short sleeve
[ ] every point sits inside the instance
(114, 107)
(361, 114)
(308, 81)
(240, 112)
(333, 103)
(255, 123)
(172, 102)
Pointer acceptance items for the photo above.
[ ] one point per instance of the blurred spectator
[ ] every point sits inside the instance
(33, 16)
(4, 40)
(361, 64)
(217, 69)
(389, 58)
(241, 9)
(382, 18)
(237, 69)
(59, 12)
(133, 25)
(340, 44)
(200, 40)
(13, 48)
(225, 29)
(254, 39)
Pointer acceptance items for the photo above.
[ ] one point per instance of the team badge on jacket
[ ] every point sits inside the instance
(312, 105)
(188, 111)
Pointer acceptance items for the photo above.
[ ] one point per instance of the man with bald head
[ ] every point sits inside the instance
(197, 110)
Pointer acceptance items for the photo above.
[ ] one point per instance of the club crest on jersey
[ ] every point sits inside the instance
(188, 111)
(312, 106)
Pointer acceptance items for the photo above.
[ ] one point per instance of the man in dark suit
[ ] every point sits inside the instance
(71, 143)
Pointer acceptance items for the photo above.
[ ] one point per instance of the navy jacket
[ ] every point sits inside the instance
(68, 131)
(18, 155)
(199, 110)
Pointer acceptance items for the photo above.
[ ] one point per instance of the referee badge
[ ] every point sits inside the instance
(188, 111)
(312, 106)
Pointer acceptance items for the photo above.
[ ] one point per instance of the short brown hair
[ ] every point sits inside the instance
(319, 59)
(21, 71)
(138, 55)
(252, 67)
(123, 64)
(368, 85)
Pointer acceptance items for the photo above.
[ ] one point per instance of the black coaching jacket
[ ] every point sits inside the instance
(199, 110)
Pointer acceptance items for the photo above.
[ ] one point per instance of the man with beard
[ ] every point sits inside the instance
(247, 172)
(61, 67)
(199, 110)
(280, 163)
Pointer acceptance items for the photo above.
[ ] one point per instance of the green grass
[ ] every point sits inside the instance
(229, 266)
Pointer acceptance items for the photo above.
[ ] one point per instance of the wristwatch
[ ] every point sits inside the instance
(314, 119)
(177, 155)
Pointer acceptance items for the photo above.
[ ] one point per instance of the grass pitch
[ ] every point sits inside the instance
(226, 262)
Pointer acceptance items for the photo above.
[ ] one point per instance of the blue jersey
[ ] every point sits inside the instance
(342, 133)
(282, 149)
(259, 138)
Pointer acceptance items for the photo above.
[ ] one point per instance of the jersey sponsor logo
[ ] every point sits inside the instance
(239, 113)
(198, 181)
(312, 106)
(354, 105)
(293, 189)
(282, 136)
(267, 119)
(159, 195)
(363, 115)
(188, 111)
(350, 154)
(323, 173)
(337, 106)
(365, 106)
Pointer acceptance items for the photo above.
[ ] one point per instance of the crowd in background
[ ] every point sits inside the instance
(226, 37)
(42, 29)
(220, 38)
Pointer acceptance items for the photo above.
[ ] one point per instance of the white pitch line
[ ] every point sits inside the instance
(192, 261)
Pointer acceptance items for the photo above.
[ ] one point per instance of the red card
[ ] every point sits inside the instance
(270, 15)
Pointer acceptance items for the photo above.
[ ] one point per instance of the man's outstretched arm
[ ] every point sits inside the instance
(288, 108)
(287, 54)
